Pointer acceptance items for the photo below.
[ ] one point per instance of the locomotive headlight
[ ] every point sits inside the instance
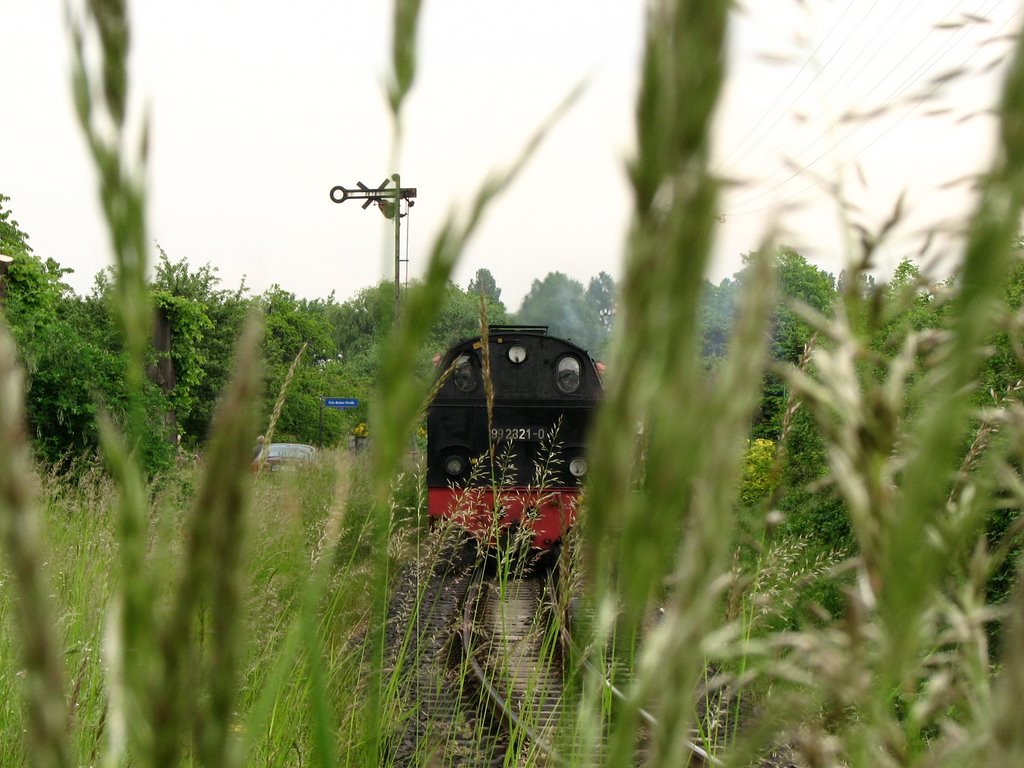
(454, 465)
(578, 467)
(517, 353)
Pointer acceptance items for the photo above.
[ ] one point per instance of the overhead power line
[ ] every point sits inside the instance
(923, 69)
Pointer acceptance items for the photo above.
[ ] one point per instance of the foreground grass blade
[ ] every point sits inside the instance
(654, 355)
(101, 101)
(45, 708)
(672, 524)
(209, 579)
(910, 571)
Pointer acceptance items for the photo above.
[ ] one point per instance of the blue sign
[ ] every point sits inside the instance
(341, 402)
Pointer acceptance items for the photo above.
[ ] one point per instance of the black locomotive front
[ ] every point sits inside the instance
(525, 464)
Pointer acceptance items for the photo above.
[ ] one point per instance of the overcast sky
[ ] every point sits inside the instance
(259, 108)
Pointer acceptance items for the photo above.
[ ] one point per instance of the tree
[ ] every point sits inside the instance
(460, 319)
(12, 240)
(290, 324)
(799, 281)
(1004, 368)
(205, 323)
(358, 325)
(601, 299)
(485, 283)
(717, 309)
(74, 364)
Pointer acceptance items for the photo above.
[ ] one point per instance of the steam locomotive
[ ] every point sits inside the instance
(506, 432)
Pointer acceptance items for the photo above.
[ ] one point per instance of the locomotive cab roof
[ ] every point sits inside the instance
(499, 331)
(495, 331)
(541, 330)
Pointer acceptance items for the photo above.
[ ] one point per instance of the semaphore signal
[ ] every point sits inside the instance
(389, 201)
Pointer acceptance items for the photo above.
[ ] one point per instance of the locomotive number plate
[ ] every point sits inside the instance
(528, 434)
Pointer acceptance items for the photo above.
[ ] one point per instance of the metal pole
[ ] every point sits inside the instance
(321, 439)
(398, 241)
(380, 195)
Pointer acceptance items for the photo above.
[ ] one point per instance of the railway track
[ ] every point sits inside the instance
(613, 678)
(439, 720)
(478, 667)
(513, 652)
(475, 666)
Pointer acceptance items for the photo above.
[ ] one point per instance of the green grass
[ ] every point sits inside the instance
(294, 524)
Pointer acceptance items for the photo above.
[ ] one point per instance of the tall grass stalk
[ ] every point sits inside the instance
(40, 648)
(670, 237)
(101, 95)
(101, 98)
(282, 393)
(674, 534)
(987, 260)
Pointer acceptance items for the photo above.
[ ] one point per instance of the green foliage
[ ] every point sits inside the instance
(802, 286)
(1004, 369)
(206, 321)
(601, 298)
(911, 304)
(35, 285)
(74, 362)
(757, 472)
(458, 319)
(800, 283)
(813, 510)
(63, 400)
(292, 322)
(12, 240)
(717, 309)
(358, 325)
(484, 282)
(189, 323)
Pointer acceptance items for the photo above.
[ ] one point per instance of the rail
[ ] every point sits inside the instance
(576, 653)
(500, 702)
